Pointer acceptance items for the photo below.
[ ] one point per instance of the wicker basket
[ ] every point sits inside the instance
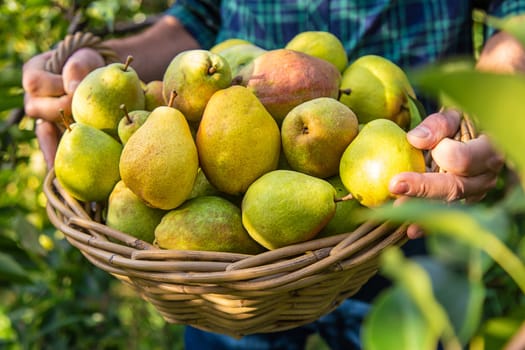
(227, 293)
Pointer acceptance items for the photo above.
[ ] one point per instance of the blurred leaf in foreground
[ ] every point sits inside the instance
(495, 100)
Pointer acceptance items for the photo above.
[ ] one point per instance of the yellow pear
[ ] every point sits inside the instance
(284, 207)
(320, 44)
(378, 88)
(159, 162)
(380, 151)
(237, 140)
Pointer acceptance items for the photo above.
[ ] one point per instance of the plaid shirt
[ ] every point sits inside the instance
(408, 32)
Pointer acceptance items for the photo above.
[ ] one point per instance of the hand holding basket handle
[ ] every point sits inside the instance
(49, 80)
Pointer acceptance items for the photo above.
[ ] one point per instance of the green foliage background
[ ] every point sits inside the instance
(52, 297)
(469, 290)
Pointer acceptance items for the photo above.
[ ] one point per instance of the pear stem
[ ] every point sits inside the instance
(126, 113)
(66, 122)
(172, 98)
(345, 198)
(344, 92)
(212, 70)
(129, 59)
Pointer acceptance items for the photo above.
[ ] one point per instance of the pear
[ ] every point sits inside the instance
(284, 207)
(223, 45)
(159, 162)
(282, 79)
(194, 75)
(153, 95)
(205, 223)
(378, 89)
(320, 44)
(380, 151)
(87, 163)
(128, 213)
(97, 99)
(315, 134)
(238, 140)
(130, 122)
(347, 211)
(202, 186)
(240, 55)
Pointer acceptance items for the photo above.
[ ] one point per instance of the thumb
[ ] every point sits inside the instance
(434, 128)
(78, 66)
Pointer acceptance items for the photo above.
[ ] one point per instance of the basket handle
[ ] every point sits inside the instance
(73, 42)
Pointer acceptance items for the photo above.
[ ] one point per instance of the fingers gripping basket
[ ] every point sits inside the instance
(227, 293)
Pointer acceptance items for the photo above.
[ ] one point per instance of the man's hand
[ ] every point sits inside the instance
(47, 93)
(471, 167)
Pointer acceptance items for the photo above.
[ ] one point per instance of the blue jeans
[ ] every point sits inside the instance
(340, 329)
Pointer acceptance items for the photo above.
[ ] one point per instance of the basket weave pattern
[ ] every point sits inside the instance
(227, 293)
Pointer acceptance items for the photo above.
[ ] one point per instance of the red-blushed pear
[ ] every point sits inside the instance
(194, 76)
(315, 134)
(282, 79)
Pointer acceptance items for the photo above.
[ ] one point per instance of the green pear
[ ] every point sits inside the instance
(130, 122)
(97, 99)
(153, 95)
(159, 162)
(221, 46)
(378, 89)
(205, 223)
(240, 55)
(238, 140)
(380, 151)
(320, 44)
(87, 162)
(194, 75)
(284, 207)
(347, 217)
(315, 134)
(282, 79)
(128, 213)
(202, 186)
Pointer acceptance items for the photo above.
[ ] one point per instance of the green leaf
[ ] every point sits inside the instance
(496, 101)
(458, 222)
(395, 319)
(463, 299)
(417, 111)
(10, 270)
(512, 24)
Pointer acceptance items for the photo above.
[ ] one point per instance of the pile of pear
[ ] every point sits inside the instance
(240, 149)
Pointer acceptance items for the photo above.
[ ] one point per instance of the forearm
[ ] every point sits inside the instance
(153, 49)
(502, 53)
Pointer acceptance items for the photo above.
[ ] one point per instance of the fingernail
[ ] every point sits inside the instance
(71, 87)
(420, 131)
(400, 187)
